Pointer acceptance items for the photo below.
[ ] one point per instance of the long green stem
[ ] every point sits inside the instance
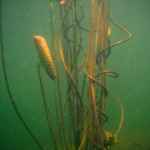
(8, 86)
(63, 133)
(46, 105)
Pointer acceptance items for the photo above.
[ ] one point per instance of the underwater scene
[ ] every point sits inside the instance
(74, 75)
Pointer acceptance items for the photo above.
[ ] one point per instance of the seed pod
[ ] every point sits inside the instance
(45, 56)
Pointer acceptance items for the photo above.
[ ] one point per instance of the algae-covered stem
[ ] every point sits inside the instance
(53, 38)
(77, 104)
(92, 100)
(64, 62)
(46, 106)
(103, 44)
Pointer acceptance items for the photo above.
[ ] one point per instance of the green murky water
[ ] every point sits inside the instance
(21, 20)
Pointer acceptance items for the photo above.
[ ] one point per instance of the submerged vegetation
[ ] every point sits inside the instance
(83, 49)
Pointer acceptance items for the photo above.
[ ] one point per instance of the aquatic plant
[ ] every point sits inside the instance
(83, 49)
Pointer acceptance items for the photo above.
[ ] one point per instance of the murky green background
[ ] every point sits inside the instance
(22, 20)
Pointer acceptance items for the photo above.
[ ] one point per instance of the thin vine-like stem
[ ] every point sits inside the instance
(21, 118)
(92, 98)
(63, 60)
(46, 105)
(121, 116)
(58, 81)
(116, 43)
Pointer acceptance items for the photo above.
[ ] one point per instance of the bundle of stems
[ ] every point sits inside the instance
(83, 50)
(84, 61)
